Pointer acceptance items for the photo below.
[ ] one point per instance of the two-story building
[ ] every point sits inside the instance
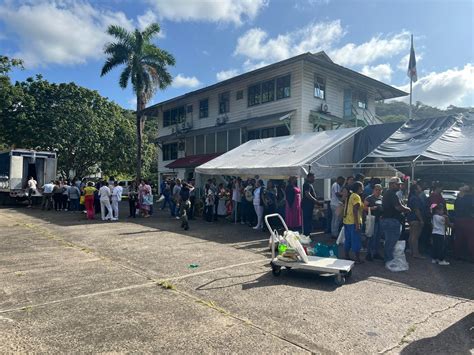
(306, 93)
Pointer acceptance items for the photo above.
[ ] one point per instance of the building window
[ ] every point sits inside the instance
(189, 146)
(222, 142)
(283, 87)
(210, 143)
(224, 102)
(267, 132)
(281, 131)
(204, 108)
(254, 134)
(166, 118)
(239, 95)
(234, 138)
(200, 144)
(189, 109)
(268, 91)
(362, 100)
(253, 95)
(170, 151)
(319, 87)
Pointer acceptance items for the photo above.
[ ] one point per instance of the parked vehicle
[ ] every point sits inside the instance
(17, 165)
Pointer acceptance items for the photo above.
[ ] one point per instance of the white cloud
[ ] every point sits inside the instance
(256, 45)
(381, 72)
(63, 32)
(230, 11)
(147, 19)
(451, 87)
(376, 48)
(181, 81)
(132, 103)
(226, 74)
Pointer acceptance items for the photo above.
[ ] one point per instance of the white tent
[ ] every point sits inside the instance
(286, 156)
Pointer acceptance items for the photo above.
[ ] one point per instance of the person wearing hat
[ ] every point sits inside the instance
(392, 216)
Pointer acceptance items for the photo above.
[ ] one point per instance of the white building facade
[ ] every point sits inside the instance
(305, 93)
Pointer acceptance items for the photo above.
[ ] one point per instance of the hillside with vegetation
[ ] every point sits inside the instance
(398, 111)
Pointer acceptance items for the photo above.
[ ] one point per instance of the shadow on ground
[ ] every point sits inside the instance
(454, 280)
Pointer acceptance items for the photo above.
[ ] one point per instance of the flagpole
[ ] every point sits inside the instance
(411, 84)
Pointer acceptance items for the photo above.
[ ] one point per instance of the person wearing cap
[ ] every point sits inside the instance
(392, 217)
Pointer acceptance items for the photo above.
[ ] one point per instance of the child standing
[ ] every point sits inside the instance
(440, 222)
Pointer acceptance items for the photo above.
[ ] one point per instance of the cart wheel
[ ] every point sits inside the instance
(339, 280)
(276, 270)
(349, 274)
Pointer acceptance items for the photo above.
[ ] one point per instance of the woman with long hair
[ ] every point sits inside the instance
(293, 217)
(415, 219)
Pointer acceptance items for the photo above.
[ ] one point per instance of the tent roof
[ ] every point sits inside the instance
(280, 156)
(448, 138)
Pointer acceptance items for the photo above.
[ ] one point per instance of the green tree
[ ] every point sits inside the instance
(86, 130)
(145, 66)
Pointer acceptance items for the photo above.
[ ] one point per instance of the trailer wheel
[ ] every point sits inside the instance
(339, 280)
(276, 270)
(349, 274)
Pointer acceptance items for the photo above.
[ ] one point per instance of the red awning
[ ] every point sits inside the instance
(192, 161)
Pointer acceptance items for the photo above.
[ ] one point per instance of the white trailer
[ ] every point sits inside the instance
(17, 165)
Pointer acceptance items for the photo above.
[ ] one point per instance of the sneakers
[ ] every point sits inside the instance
(443, 262)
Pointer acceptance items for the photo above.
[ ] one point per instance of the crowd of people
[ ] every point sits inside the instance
(248, 201)
(93, 198)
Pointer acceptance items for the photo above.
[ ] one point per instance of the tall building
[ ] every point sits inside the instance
(305, 93)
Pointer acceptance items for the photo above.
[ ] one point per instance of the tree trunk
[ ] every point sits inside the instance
(140, 107)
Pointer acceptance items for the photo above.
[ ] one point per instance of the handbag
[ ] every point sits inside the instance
(342, 236)
(369, 224)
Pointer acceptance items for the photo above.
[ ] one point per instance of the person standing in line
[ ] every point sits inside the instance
(248, 203)
(176, 190)
(349, 182)
(308, 203)
(374, 203)
(270, 200)
(336, 206)
(132, 199)
(192, 199)
(415, 219)
(47, 201)
(353, 221)
(167, 195)
(31, 190)
(236, 198)
(116, 198)
(74, 195)
(145, 197)
(392, 217)
(105, 194)
(209, 202)
(293, 204)
(185, 204)
(464, 224)
(57, 196)
(65, 196)
(440, 222)
(89, 192)
(258, 203)
(281, 199)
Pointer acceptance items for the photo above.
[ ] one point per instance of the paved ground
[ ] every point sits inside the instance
(71, 285)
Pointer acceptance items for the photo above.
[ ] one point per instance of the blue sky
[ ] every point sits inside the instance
(216, 39)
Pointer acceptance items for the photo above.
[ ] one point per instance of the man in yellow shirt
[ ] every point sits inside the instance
(352, 221)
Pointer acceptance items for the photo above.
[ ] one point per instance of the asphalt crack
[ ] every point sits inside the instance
(412, 329)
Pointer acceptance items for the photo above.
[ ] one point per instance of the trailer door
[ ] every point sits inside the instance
(16, 172)
(50, 170)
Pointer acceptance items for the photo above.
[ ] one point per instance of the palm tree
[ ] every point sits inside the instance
(145, 66)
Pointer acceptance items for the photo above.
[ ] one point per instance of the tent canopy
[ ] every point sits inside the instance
(285, 156)
(446, 139)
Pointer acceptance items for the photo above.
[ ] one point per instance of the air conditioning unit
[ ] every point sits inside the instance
(324, 108)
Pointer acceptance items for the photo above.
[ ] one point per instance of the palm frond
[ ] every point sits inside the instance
(112, 62)
(120, 33)
(152, 52)
(125, 76)
(151, 30)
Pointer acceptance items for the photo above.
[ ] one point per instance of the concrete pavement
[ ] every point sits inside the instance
(68, 284)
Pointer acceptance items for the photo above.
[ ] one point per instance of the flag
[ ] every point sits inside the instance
(412, 64)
